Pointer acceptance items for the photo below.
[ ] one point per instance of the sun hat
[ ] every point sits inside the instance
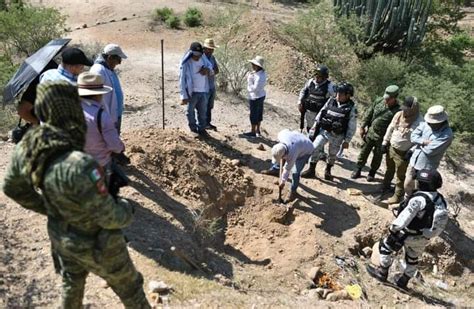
(114, 50)
(436, 114)
(75, 56)
(209, 43)
(258, 61)
(408, 102)
(89, 83)
(391, 92)
(278, 151)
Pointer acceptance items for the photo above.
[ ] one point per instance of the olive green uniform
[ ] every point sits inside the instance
(377, 118)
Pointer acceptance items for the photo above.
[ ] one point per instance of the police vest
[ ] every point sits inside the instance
(317, 96)
(424, 221)
(336, 118)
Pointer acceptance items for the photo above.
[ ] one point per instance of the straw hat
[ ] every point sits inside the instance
(436, 114)
(91, 84)
(258, 61)
(209, 43)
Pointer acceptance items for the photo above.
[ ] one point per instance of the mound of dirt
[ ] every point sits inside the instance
(189, 168)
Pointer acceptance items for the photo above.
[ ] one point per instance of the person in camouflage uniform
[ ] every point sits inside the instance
(375, 123)
(49, 174)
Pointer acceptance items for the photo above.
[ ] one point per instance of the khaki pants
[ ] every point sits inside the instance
(396, 165)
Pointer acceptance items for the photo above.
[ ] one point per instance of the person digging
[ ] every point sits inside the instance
(418, 219)
(294, 149)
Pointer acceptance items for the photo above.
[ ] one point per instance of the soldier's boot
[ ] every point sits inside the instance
(310, 172)
(371, 176)
(396, 198)
(402, 282)
(327, 172)
(357, 173)
(378, 272)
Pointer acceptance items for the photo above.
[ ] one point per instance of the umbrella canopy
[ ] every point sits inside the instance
(31, 68)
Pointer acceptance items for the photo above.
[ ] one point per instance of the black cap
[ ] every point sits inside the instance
(196, 47)
(346, 88)
(322, 70)
(429, 180)
(75, 56)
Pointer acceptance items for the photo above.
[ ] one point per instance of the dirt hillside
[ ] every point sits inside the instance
(208, 199)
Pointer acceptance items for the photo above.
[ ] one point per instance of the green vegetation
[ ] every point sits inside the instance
(173, 22)
(193, 17)
(163, 14)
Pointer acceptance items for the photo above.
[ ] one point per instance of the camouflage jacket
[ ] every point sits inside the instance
(73, 193)
(378, 117)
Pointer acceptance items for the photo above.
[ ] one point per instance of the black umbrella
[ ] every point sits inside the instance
(32, 67)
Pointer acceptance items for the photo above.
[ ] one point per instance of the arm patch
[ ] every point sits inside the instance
(97, 176)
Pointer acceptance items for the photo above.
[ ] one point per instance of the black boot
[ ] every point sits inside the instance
(327, 172)
(357, 173)
(378, 272)
(371, 176)
(402, 282)
(310, 172)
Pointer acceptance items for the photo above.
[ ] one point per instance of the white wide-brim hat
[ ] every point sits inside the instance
(436, 114)
(209, 43)
(258, 61)
(89, 83)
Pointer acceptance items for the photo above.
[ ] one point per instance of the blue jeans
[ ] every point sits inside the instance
(210, 104)
(198, 101)
(256, 110)
(297, 168)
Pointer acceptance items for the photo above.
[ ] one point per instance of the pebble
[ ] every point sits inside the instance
(314, 273)
(158, 287)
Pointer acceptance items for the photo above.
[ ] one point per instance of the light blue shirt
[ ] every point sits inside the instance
(429, 156)
(186, 75)
(59, 74)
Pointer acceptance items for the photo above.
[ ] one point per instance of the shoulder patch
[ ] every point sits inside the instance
(95, 175)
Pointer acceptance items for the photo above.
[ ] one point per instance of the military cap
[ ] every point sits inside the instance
(391, 92)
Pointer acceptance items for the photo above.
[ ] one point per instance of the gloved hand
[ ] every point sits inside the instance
(384, 149)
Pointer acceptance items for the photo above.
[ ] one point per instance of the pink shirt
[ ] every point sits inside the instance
(98, 145)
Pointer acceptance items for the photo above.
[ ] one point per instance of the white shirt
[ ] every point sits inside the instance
(199, 81)
(256, 83)
(298, 145)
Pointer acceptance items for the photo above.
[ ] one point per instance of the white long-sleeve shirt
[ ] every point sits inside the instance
(298, 145)
(256, 82)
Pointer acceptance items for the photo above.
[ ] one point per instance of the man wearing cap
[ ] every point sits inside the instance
(396, 143)
(102, 138)
(194, 75)
(72, 64)
(338, 122)
(372, 131)
(51, 175)
(314, 95)
(208, 49)
(294, 149)
(431, 139)
(105, 65)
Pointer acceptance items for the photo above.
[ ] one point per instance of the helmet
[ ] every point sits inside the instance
(429, 180)
(345, 87)
(322, 70)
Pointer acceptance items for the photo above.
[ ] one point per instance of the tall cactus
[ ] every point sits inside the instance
(391, 24)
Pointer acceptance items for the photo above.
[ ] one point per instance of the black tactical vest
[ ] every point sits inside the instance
(426, 220)
(336, 118)
(317, 96)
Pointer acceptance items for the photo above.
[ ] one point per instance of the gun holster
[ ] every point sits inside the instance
(117, 180)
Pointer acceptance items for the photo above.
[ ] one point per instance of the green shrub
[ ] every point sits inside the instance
(173, 22)
(163, 14)
(193, 17)
(233, 69)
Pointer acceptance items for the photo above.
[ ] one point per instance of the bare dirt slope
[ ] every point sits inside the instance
(208, 198)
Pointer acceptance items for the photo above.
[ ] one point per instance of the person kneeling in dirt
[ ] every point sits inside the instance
(338, 123)
(51, 175)
(419, 219)
(294, 149)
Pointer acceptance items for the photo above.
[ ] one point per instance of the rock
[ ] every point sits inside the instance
(235, 162)
(320, 291)
(4, 137)
(158, 287)
(367, 251)
(261, 147)
(314, 274)
(112, 21)
(136, 149)
(84, 26)
(223, 280)
(98, 23)
(124, 18)
(314, 294)
(326, 292)
(338, 295)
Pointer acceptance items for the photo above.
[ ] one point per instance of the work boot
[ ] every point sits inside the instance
(310, 172)
(402, 282)
(371, 177)
(271, 171)
(378, 272)
(356, 174)
(327, 172)
(395, 199)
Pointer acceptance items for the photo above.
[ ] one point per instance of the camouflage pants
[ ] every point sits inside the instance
(74, 260)
(324, 137)
(370, 144)
(396, 164)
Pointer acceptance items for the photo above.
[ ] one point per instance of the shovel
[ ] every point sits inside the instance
(280, 199)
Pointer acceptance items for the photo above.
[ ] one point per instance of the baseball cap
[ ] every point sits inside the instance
(391, 91)
(196, 47)
(75, 56)
(114, 50)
